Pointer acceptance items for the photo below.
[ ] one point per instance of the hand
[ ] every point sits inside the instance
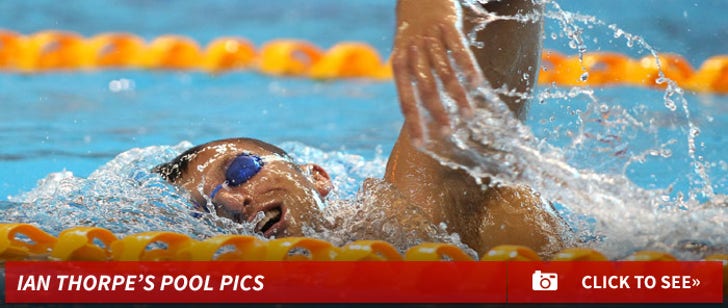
(430, 45)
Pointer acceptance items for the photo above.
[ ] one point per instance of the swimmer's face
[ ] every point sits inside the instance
(285, 194)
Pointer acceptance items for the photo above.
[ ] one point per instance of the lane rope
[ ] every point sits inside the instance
(52, 50)
(19, 241)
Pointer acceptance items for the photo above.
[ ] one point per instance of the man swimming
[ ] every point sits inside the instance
(248, 180)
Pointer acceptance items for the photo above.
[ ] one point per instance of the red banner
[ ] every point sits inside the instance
(255, 282)
(364, 282)
(615, 282)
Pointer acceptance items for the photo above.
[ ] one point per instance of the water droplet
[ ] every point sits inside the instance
(120, 85)
(670, 104)
(584, 76)
(554, 36)
(618, 33)
(603, 108)
(572, 44)
(694, 132)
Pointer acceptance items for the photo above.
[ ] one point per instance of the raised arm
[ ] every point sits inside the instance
(431, 49)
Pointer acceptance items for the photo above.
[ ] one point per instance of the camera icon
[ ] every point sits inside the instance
(544, 281)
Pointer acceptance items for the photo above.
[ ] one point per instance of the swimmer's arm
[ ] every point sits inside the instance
(387, 214)
(510, 51)
(430, 47)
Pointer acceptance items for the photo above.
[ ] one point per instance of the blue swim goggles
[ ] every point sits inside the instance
(241, 169)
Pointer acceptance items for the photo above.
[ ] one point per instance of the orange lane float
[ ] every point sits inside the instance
(10, 48)
(369, 250)
(23, 241)
(80, 243)
(511, 253)
(116, 50)
(240, 248)
(436, 252)
(288, 57)
(597, 69)
(300, 249)
(140, 247)
(606, 68)
(350, 60)
(579, 254)
(172, 52)
(61, 50)
(54, 50)
(228, 53)
(711, 77)
(673, 66)
(549, 61)
(19, 241)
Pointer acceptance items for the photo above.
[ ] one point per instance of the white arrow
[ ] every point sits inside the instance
(696, 282)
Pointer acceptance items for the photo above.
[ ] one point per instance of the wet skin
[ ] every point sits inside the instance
(287, 196)
(417, 192)
(286, 193)
(430, 48)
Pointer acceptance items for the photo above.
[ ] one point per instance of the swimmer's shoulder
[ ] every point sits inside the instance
(379, 192)
(396, 218)
(517, 215)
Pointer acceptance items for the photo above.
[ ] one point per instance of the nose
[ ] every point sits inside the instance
(235, 204)
(247, 201)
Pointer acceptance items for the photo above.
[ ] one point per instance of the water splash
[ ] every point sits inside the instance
(122, 196)
(587, 173)
(582, 166)
(673, 94)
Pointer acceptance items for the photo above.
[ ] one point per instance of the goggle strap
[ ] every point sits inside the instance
(216, 190)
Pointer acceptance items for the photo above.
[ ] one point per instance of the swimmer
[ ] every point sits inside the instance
(245, 179)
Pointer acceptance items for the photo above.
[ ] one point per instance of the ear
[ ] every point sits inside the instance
(320, 178)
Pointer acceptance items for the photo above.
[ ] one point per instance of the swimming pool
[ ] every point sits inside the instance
(78, 121)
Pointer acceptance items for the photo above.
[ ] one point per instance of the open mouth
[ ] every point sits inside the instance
(271, 223)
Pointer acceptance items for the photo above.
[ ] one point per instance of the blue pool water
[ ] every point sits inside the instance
(77, 122)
